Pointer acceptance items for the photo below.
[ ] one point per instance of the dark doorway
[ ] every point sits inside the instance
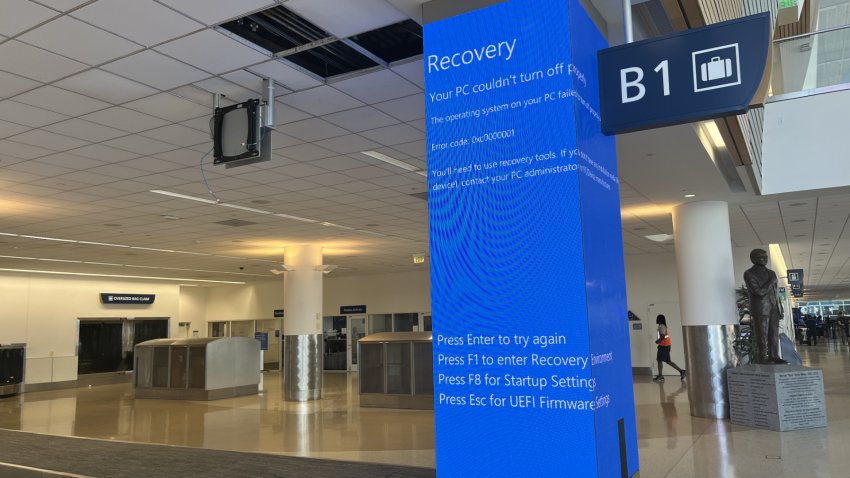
(100, 346)
(106, 345)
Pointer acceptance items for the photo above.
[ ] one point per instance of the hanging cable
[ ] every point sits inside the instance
(204, 175)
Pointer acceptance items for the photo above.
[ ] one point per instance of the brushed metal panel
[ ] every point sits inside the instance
(709, 351)
(302, 367)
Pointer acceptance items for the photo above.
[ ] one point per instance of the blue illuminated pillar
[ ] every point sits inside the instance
(531, 350)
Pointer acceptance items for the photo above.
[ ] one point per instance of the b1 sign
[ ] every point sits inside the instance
(694, 75)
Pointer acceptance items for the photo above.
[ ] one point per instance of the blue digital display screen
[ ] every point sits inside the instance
(532, 372)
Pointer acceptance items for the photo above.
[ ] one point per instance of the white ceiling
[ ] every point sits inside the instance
(103, 101)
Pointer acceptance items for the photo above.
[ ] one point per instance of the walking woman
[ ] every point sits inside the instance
(663, 342)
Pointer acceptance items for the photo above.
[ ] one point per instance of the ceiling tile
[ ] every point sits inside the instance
(211, 51)
(312, 129)
(344, 18)
(140, 145)
(396, 134)
(11, 85)
(86, 130)
(79, 41)
(105, 86)
(133, 19)
(320, 101)
(286, 114)
(125, 119)
(285, 74)
(306, 152)
(22, 151)
(104, 153)
(155, 69)
(377, 86)
(9, 129)
(249, 80)
(412, 71)
(70, 161)
(27, 115)
(360, 119)
(63, 5)
(350, 143)
(228, 89)
(35, 63)
(61, 101)
(405, 109)
(46, 139)
(169, 107)
(212, 12)
(20, 15)
(178, 134)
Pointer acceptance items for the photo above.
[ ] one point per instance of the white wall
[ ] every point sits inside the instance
(802, 150)
(652, 288)
(401, 292)
(193, 309)
(257, 300)
(42, 311)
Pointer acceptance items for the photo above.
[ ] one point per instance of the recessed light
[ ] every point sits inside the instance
(690, 195)
(659, 237)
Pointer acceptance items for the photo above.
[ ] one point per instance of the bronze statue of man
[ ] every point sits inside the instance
(765, 310)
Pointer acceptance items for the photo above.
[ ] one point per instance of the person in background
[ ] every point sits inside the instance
(811, 329)
(844, 321)
(664, 345)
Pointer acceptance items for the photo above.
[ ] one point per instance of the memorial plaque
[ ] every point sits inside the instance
(777, 397)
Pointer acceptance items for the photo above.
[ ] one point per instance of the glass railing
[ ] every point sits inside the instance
(811, 63)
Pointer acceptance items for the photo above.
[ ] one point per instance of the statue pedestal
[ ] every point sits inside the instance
(777, 397)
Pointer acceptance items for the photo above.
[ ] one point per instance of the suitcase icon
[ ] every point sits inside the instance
(716, 69)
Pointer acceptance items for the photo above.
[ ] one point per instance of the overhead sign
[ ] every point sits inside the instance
(352, 309)
(687, 76)
(112, 298)
(278, 312)
(795, 280)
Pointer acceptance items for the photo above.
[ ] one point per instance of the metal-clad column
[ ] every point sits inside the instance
(707, 301)
(302, 327)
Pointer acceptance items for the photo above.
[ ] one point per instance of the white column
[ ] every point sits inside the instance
(704, 263)
(302, 324)
(707, 302)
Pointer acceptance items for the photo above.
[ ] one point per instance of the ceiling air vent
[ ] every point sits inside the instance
(287, 35)
(236, 223)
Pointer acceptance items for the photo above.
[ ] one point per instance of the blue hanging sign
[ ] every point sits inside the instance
(693, 75)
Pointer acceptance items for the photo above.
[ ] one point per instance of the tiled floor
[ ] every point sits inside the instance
(672, 443)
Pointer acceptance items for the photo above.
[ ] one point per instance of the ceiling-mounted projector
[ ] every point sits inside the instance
(242, 132)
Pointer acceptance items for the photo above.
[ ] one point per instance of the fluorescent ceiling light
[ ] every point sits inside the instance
(47, 238)
(389, 160)
(182, 196)
(714, 133)
(120, 276)
(690, 195)
(296, 218)
(101, 244)
(245, 208)
(659, 237)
